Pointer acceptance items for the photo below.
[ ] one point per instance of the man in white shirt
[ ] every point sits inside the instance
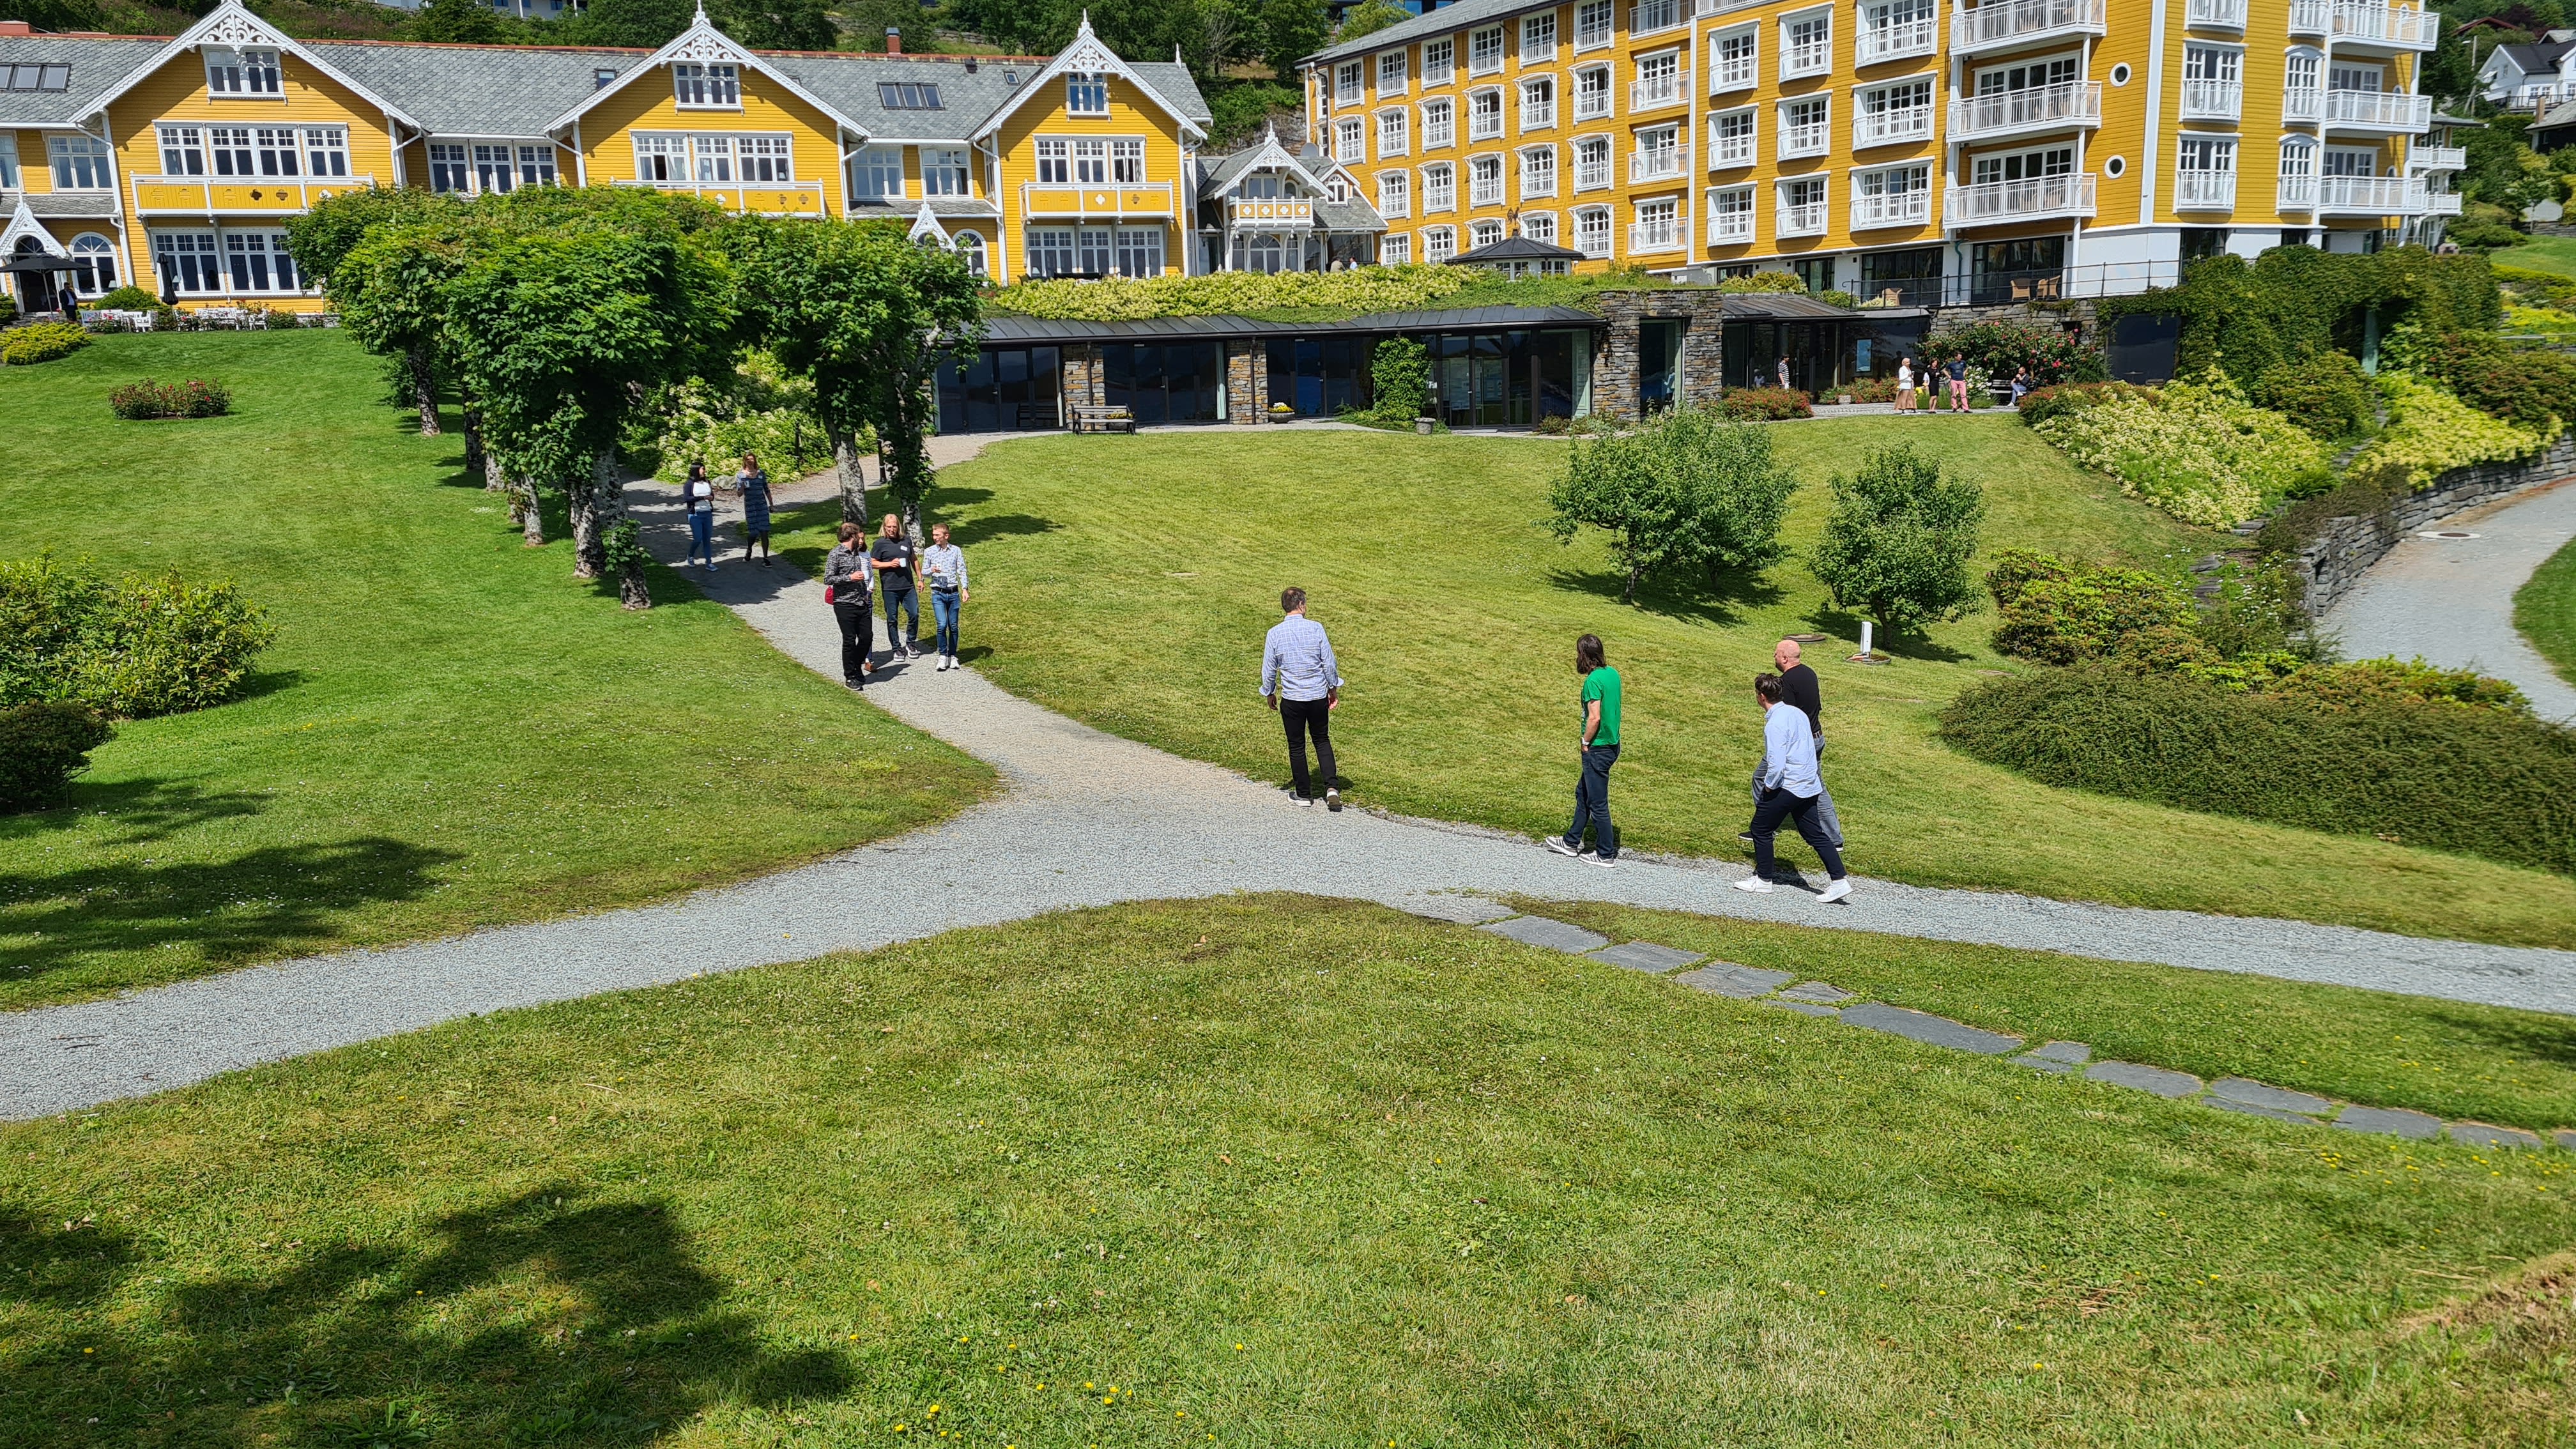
(1302, 681)
(1789, 788)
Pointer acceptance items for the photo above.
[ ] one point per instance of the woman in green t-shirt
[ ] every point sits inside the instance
(1599, 747)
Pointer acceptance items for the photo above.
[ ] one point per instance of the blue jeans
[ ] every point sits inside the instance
(943, 613)
(1592, 803)
(702, 539)
(906, 600)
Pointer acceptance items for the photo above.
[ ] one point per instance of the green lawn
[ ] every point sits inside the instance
(2539, 254)
(1127, 581)
(1251, 1172)
(449, 732)
(2544, 609)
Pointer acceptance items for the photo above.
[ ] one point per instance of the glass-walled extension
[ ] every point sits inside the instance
(1002, 390)
(1165, 382)
(1505, 379)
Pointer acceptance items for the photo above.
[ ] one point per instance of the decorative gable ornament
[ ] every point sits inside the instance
(1087, 55)
(926, 228)
(231, 25)
(703, 44)
(23, 224)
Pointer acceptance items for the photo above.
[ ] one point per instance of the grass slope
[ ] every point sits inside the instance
(450, 730)
(2544, 609)
(1127, 581)
(1250, 1172)
(2539, 254)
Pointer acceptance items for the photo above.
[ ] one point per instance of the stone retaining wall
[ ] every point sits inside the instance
(2345, 548)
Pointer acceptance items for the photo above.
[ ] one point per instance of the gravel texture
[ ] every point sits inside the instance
(1088, 819)
(2450, 600)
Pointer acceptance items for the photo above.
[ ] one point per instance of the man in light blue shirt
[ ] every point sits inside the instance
(1300, 680)
(1790, 788)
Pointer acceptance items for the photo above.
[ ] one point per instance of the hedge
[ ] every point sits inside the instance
(42, 746)
(145, 400)
(2485, 782)
(130, 648)
(41, 342)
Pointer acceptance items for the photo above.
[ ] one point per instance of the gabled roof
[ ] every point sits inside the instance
(2532, 59)
(478, 90)
(232, 23)
(98, 64)
(23, 223)
(1269, 153)
(1430, 25)
(1087, 55)
(703, 42)
(1516, 249)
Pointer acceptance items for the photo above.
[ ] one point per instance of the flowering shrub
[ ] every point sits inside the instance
(2040, 404)
(756, 409)
(41, 342)
(1764, 404)
(2060, 614)
(2196, 450)
(1764, 282)
(129, 648)
(1122, 299)
(195, 398)
(2432, 432)
(1996, 348)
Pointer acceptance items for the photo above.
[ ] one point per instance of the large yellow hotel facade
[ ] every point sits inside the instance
(1914, 151)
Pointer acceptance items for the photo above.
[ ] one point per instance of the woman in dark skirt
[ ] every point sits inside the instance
(755, 506)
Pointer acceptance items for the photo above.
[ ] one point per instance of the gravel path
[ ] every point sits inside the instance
(1090, 819)
(2450, 600)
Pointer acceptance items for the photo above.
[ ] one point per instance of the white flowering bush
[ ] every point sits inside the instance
(1123, 299)
(2196, 450)
(2430, 432)
(759, 410)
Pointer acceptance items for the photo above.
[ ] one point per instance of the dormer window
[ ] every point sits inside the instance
(1086, 94)
(600, 79)
(707, 87)
(244, 72)
(907, 96)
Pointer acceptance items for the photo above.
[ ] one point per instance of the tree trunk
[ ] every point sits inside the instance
(424, 390)
(496, 479)
(1635, 572)
(630, 587)
(854, 479)
(475, 461)
(531, 511)
(596, 503)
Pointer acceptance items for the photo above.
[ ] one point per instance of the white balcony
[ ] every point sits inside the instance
(1806, 60)
(2212, 100)
(1658, 163)
(2355, 26)
(2204, 191)
(1891, 127)
(1727, 152)
(1668, 89)
(2030, 199)
(2441, 203)
(1655, 236)
(2424, 160)
(1797, 141)
(1270, 213)
(2391, 112)
(1807, 219)
(2060, 107)
(1894, 208)
(2297, 193)
(1733, 75)
(2024, 22)
(1538, 115)
(1730, 228)
(1654, 15)
(1876, 43)
(1591, 178)
(2303, 105)
(2369, 196)
(2214, 14)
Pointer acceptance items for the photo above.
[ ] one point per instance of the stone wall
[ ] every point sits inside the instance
(1247, 382)
(1084, 386)
(2345, 548)
(1615, 357)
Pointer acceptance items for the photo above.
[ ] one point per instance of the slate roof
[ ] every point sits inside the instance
(2536, 57)
(476, 90)
(98, 63)
(1516, 249)
(1431, 24)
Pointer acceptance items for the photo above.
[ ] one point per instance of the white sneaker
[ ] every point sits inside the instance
(1755, 884)
(943, 664)
(1839, 890)
(1557, 844)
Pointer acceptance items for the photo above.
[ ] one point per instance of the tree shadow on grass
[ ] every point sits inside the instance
(543, 1318)
(2529, 1034)
(1845, 625)
(140, 812)
(1720, 602)
(999, 525)
(261, 903)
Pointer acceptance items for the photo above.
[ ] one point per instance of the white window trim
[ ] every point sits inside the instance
(1860, 97)
(1753, 151)
(1609, 33)
(1555, 102)
(1502, 50)
(1379, 130)
(1718, 85)
(1425, 118)
(1502, 113)
(1425, 190)
(1377, 74)
(1574, 156)
(1609, 230)
(1555, 171)
(1752, 216)
(1791, 18)
(1826, 129)
(1502, 180)
(1609, 91)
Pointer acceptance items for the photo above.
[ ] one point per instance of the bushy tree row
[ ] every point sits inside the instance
(556, 312)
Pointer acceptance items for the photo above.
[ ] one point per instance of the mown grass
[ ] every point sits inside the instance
(2539, 254)
(450, 730)
(2378, 1048)
(1128, 581)
(2544, 609)
(1249, 1172)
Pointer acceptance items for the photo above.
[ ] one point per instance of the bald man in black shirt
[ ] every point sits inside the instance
(1798, 687)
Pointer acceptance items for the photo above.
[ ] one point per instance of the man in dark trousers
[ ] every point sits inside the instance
(1301, 680)
(1798, 687)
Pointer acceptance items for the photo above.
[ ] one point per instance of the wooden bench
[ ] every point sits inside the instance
(1103, 419)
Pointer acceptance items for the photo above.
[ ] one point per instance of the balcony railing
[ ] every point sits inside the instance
(2040, 108)
(2212, 100)
(2370, 195)
(2204, 190)
(1885, 128)
(2024, 200)
(1668, 89)
(2024, 22)
(2426, 159)
(2347, 22)
(1875, 43)
(1729, 228)
(1803, 219)
(1727, 151)
(1591, 177)
(2297, 193)
(1656, 163)
(2442, 203)
(1592, 106)
(1808, 140)
(2214, 14)
(255, 196)
(1395, 207)
(1894, 208)
(2378, 110)
(1733, 75)
(1271, 213)
(1655, 236)
(1053, 201)
(1655, 15)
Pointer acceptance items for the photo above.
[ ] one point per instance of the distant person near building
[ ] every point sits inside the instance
(1790, 788)
(1956, 369)
(1303, 682)
(754, 484)
(1599, 746)
(1905, 384)
(944, 565)
(846, 572)
(698, 500)
(892, 555)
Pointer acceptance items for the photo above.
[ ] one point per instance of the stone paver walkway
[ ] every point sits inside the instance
(1089, 819)
(2063, 1058)
(2450, 600)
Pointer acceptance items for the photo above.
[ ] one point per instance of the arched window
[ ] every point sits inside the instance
(95, 255)
(970, 246)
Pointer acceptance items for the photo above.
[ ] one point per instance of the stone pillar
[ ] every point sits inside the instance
(1083, 385)
(1247, 382)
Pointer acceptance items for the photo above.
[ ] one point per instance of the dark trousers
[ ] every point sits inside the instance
(1592, 803)
(1304, 717)
(1779, 805)
(858, 635)
(907, 601)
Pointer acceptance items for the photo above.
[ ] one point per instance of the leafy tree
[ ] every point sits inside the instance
(866, 316)
(58, 15)
(461, 21)
(1369, 17)
(778, 24)
(644, 24)
(2502, 171)
(1688, 492)
(1291, 30)
(393, 313)
(1899, 541)
(868, 20)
